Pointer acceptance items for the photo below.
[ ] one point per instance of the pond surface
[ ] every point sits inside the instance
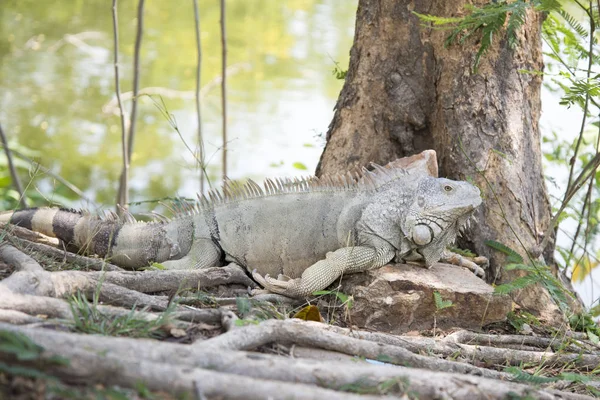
(57, 93)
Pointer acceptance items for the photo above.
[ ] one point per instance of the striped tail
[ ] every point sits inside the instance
(131, 244)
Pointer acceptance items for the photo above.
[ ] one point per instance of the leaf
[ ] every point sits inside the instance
(25, 371)
(522, 376)
(342, 297)
(243, 305)
(19, 345)
(517, 284)
(573, 23)
(582, 268)
(519, 267)
(309, 313)
(593, 337)
(299, 165)
(441, 304)
(572, 377)
(513, 256)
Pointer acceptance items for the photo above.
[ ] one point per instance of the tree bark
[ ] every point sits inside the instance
(406, 92)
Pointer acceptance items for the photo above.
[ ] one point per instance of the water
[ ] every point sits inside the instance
(57, 90)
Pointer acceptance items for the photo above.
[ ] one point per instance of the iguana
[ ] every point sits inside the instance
(308, 232)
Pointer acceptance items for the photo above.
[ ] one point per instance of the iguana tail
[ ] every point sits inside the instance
(129, 244)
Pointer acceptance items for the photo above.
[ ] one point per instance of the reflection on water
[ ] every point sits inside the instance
(57, 89)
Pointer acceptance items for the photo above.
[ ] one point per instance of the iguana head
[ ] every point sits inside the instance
(439, 210)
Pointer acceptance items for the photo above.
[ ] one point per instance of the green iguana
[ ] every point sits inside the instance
(308, 232)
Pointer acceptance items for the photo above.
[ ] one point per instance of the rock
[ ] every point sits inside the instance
(399, 298)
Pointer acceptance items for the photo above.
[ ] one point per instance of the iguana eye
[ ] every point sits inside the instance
(448, 188)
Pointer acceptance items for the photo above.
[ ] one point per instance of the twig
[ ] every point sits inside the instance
(197, 94)
(582, 128)
(123, 193)
(224, 88)
(13, 171)
(136, 77)
(124, 178)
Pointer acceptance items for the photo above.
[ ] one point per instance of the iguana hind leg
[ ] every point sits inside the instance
(321, 274)
(204, 253)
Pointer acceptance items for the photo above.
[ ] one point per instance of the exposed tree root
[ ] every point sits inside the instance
(328, 360)
(58, 308)
(582, 356)
(234, 374)
(23, 239)
(554, 343)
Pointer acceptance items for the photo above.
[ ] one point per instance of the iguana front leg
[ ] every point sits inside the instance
(321, 274)
(451, 257)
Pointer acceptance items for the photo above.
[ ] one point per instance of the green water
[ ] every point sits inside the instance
(57, 91)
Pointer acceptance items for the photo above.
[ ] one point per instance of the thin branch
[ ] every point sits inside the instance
(136, 76)
(224, 88)
(198, 80)
(124, 179)
(587, 98)
(123, 195)
(13, 171)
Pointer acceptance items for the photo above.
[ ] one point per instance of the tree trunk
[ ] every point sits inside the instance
(405, 92)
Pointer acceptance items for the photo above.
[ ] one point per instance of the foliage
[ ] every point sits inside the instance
(583, 322)
(513, 256)
(535, 272)
(487, 22)
(89, 319)
(522, 376)
(23, 348)
(338, 72)
(347, 301)
(440, 303)
(254, 311)
(518, 320)
(393, 386)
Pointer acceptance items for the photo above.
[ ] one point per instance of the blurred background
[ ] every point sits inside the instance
(58, 104)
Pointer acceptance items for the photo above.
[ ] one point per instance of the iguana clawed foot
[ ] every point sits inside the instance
(279, 285)
(476, 264)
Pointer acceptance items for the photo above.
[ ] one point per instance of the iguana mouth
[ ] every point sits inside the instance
(464, 223)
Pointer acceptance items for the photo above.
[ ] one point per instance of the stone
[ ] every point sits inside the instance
(399, 298)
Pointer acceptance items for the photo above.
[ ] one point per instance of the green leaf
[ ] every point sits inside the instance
(25, 371)
(572, 377)
(522, 376)
(593, 337)
(19, 345)
(299, 165)
(513, 256)
(440, 303)
(243, 305)
(517, 284)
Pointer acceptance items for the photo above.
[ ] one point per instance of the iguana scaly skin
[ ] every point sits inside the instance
(307, 232)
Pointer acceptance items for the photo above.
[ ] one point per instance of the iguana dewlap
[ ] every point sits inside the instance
(307, 232)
